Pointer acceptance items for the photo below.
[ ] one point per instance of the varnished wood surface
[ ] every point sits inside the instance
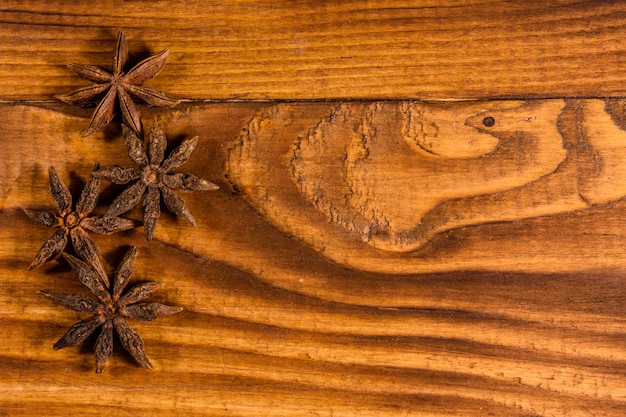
(323, 49)
(293, 307)
(273, 327)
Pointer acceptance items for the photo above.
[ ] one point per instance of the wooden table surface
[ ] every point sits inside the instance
(377, 247)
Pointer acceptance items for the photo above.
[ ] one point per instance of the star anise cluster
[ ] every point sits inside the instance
(153, 180)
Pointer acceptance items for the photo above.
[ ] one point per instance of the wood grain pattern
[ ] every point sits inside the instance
(359, 191)
(333, 129)
(271, 326)
(310, 49)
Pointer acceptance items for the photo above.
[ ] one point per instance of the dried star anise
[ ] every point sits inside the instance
(73, 223)
(110, 310)
(119, 84)
(154, 178)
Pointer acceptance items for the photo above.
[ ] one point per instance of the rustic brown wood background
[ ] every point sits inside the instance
(272, 326)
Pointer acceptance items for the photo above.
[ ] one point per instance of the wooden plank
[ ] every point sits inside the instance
(390, 49)
(364, 255)
(516, 318)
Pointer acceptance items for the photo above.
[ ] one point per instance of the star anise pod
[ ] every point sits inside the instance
(74, 223)
(154, 178)
(120, 85)
(110, 310)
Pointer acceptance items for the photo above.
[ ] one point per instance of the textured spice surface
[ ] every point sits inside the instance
(155, 178)
(110, 310)
(73, 224)
(116, 91)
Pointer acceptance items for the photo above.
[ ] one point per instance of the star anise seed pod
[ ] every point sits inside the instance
(120, 85)
(75, 223)
(154, 178)
(110, 310)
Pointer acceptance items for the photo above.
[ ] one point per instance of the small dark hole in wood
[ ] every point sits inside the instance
(489, 121)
